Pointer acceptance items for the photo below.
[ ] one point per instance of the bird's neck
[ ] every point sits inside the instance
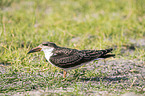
(48, 53)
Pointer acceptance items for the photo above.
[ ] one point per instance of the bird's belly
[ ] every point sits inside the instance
(81, 64)
(64, 66)
(75, 66)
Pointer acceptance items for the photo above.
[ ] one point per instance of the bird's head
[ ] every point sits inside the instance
(44, 46)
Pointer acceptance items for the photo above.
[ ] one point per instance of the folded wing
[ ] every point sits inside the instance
(65, 61)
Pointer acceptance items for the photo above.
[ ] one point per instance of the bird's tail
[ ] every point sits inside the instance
(105, 55)
(107, 50)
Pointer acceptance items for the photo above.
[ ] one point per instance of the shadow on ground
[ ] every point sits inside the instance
(104, 79)
(5, 63)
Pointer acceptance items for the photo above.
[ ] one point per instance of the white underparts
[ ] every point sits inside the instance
(48, 53)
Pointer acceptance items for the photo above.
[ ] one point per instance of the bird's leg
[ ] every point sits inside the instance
(104, 61)
(64, 74)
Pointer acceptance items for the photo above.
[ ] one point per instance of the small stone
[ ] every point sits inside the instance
(129, 94)
(144, 89)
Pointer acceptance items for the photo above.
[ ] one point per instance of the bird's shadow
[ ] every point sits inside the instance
(82, 78)
(104, 79)
(5, 63)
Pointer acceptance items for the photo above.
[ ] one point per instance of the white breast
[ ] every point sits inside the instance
(48, 53)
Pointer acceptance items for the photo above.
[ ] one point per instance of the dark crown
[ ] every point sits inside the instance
(50, 44)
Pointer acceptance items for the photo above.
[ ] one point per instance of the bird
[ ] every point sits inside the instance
(67, 58)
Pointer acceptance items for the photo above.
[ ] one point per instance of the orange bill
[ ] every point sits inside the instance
(36, 49)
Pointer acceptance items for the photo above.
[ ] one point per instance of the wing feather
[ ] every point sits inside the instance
(94, 54)
(67, 58)
(64, 51)
(66, 61)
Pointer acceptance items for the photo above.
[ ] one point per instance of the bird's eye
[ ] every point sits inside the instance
(45, 44)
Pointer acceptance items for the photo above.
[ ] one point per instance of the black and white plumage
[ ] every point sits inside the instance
(67, 58)
(70, 58)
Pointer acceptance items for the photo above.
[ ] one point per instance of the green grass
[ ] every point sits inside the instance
(97, 24)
